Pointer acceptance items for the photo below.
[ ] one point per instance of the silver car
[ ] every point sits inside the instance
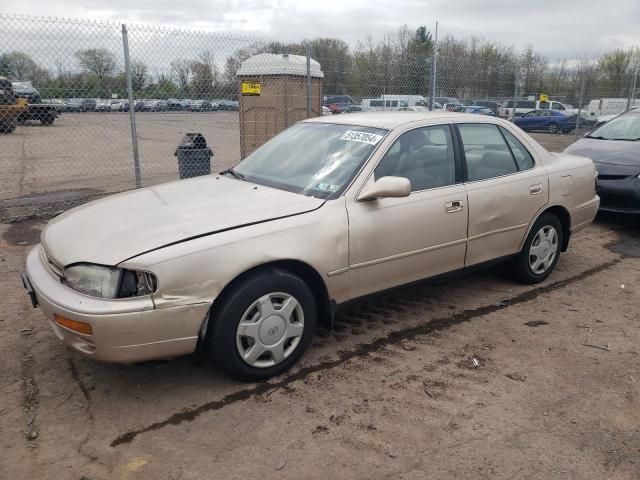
(243, 264)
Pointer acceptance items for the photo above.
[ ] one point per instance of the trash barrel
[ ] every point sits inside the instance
(194, 156)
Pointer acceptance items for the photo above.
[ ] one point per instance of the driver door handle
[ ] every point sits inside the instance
(454, 206)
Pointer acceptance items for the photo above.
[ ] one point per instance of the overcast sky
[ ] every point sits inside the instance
(559, 28)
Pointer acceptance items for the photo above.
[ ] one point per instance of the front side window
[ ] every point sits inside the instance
(486, 151)
(314, 159)
(557, 106)
(376, 103)
(425, 156)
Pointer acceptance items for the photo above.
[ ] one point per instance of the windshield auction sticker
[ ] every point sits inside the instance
(362, 137)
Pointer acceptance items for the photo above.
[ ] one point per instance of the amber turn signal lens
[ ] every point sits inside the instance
(74, 325)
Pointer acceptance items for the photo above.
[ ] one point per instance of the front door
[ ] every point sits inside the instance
(393, 241)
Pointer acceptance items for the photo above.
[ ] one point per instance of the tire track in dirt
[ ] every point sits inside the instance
(363, 350)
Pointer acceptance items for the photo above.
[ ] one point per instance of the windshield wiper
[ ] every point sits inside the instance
(239, 176)
(597, 137)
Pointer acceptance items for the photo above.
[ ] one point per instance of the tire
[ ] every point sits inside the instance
(533, 264)
(237, 325)
(47, 120)
(552, 128)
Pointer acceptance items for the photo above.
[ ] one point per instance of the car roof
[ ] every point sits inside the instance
(392, 120)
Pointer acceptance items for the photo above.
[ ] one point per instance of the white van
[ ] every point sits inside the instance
(608, 106)
(394, 102)
(379, 104)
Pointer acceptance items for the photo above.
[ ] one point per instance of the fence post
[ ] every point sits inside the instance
(515, 93)
(132, 112)
(308, 81)
(580, 103)
(434, 65)
(632, 90)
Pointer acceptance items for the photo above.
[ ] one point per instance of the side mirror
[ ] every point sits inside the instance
(387, 187)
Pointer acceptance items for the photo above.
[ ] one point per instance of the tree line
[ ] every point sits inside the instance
(398, 63)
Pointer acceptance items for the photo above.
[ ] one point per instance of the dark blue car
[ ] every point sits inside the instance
(552, 121)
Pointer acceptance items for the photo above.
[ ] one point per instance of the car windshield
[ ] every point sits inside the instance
(313, 159)
(624, 127)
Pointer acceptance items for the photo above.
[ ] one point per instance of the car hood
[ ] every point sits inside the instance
(116, 228)
(613, 152)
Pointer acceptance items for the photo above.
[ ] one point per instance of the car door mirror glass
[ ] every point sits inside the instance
(387, 187)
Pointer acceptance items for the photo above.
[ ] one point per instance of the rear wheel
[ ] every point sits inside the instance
(552, 128)
(263, 325)
(541, 251)
(47, 120)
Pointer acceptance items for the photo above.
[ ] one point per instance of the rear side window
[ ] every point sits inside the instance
(522, 155)
(486, 151)
(376, 103)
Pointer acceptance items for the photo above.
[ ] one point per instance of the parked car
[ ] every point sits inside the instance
(477, 109)
(416, 108)
(551, 121)
(140, 105)
(494, 105)
(103, 106)
(185, 104)
(615, 149)
(356, 108)
(200, 106)
(336, 103)
(326, 110)
(380, 104)
(451, 100)
(243, 264)
(120, 105)
(174, 105)
(45, 113)
(228, 105)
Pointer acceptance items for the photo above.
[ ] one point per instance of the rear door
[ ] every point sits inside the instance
(506, 188)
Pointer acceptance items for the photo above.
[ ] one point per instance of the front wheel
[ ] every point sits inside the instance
(263, 325)
(541, 251)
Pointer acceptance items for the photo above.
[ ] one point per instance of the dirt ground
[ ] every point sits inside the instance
(444, 380)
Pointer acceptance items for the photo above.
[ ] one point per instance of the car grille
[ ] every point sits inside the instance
(612, 177)
(53, 266)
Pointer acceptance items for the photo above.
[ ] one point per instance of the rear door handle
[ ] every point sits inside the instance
(454, 206)
(535, 189)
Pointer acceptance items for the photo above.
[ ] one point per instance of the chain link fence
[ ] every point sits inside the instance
(124, 96)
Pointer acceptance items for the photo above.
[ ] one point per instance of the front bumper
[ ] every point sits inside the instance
(620, 196)
(123, 330)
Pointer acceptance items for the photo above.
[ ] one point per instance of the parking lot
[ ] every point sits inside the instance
(83, 155)
(470, 377)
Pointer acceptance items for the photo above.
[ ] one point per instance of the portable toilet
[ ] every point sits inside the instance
(273, 96)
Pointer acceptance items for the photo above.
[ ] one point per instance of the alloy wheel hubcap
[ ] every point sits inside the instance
(270, 330)
(543, 250)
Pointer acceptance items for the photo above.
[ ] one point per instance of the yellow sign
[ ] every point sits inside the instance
(544, 97)
(251, 88)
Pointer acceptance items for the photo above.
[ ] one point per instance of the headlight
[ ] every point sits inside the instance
(109, 282)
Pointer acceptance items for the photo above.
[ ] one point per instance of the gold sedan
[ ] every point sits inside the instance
(242, 264)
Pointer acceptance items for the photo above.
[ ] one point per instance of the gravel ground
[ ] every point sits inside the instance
(443, 380)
